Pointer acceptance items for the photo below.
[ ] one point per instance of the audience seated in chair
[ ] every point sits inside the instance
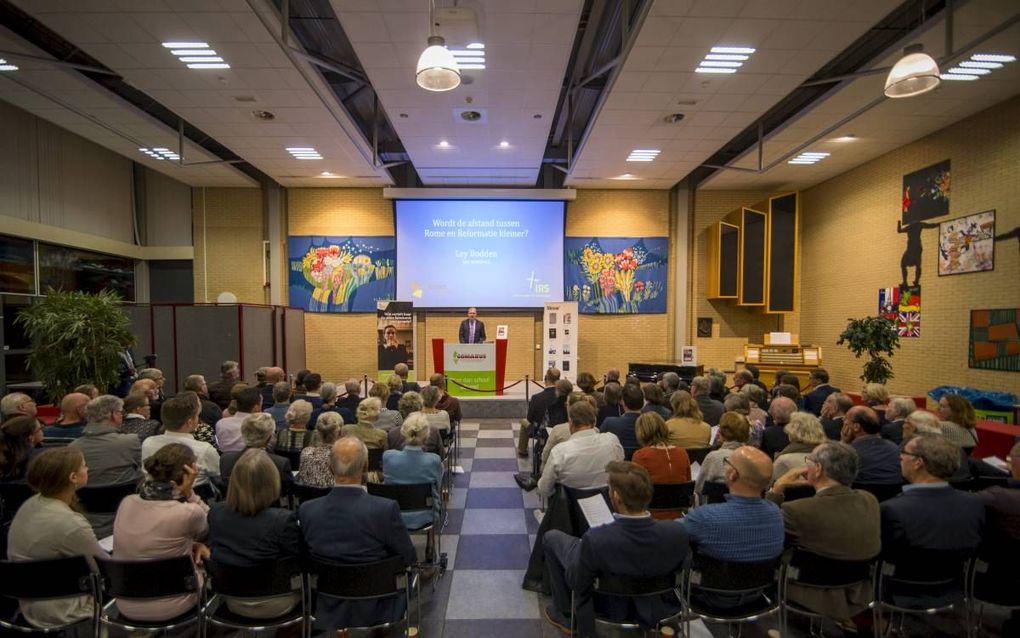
(72, 417)
(447, 402)
(664, 462)
(581, 460)
(247, 530)
(47, 526)
(164, 520)
(804, 432)
(711, 409)
(632, 545)
(219, 392)
(20, 437)
(879, 458)
(733, 432)
(437, 418)
(329, 404)
(687, 428)
(180, 418)
(897, 412)
(623, 426)
(388, 418)
(138, 416)
(774, 438)
(297, 436)
(368, 412)
(352, 395)
(561, 431)
(228, 429)
(818, 381)
(411, 403)
(258, 431)
(412, 464)
(538, 411)
(834, 411)
(210, 412)
(350, 526)
(314, 469)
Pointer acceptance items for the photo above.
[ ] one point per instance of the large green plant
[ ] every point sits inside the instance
(77, 338)
(875, 336)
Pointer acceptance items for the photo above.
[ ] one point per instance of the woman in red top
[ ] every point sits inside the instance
(665, 463)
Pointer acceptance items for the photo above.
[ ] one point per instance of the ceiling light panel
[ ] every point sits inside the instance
(978, 65)
(7, 66)
(304, 153)
(196, 55)
(472, 56)
(160, 153)
(808, 157)
(643, 155)
(724, 59)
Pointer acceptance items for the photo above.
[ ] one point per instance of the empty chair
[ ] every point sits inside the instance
(417, 497)
(923, 582)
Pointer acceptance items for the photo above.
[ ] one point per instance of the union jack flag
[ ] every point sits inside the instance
(908, 324)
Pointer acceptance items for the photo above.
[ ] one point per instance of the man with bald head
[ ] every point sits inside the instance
(774, 438)
(72, 418)
(879, 458)
(274, 375)
(348, 525)
(746, 528)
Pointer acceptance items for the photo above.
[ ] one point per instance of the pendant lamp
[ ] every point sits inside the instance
(437, 69)
(915, 73)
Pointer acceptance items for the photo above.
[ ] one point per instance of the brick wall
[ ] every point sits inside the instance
(228, 236)
(851, 249)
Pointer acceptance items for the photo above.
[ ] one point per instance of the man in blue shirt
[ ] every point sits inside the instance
(746, 528)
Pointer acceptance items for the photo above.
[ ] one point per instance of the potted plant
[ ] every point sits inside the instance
(877, 337)
(77, 338)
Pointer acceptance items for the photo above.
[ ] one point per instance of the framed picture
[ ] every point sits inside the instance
(995, 339)
(926, 193)
(967, 244)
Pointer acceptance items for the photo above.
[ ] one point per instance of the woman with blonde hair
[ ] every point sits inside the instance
(297, 436)
(411, 403)
(364, 429)
(958, 421)
(315, 466)
(734, 431)
(414, 465)
(876, 397)
(805, 432)
(247, 530)
(687, 427)
(388, 419)
(665, 462)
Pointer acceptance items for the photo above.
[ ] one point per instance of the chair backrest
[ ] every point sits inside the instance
(997, 581)
(12, 495)
(715, 491)
(797, 492)
(572, 494)
(267, 579)
(361, 581)
(925, 566)
(811, 570)
(672, 496)
(55, 442)
(375, 459)
(880, 491)
(105, 499)
(42, 579)
(724, 576)
(303, 492)
(147, 578)
(412, 497)
(698, 454)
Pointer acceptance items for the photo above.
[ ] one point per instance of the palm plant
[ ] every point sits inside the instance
(77, 338)
(875, 336)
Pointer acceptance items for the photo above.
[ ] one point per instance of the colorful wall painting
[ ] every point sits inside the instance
(967, 244)
(995, 339)
(902, 306)
(616, 275)
(340, 274)
(926, 193)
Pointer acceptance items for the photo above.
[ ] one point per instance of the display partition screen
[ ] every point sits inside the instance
(491, 253)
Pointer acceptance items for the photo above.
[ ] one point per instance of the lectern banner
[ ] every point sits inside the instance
(470, 368)
(395, 336)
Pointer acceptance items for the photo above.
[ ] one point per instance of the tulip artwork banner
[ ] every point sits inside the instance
(340, 274)
(616, 275)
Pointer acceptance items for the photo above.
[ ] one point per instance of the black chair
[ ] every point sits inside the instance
(12, 495)
(883, 492)
(922, 582)
(302, 492)
(70, 577)
(147, 579)
(105, 499)
(630, 587)
(578, 522)
(995, 582)
(698, 454)
(729, 592)
(713, 492)
(417, 497)
(375, 459)
(797, 492)
(809, 570)
(671, 496)
(226, 583)
(367, 581)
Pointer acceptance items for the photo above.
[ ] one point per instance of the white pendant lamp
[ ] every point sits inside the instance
(914, 74)
(437, 68)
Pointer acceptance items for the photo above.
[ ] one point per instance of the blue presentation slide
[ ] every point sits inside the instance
(498, 254)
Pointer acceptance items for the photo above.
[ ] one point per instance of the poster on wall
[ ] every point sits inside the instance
(926, 193)
(902, 306)
(967, 244)
(995, 339)
(395, 327)
(616, 275)
(340, 274)
(560, 342)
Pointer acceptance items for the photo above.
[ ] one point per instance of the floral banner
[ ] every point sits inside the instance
(616, 275)
(340, 274)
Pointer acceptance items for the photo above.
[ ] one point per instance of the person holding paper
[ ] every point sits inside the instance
(472, 330)
(581, 460)
(632, 543)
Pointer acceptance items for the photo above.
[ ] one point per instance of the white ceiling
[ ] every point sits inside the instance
(528, 44)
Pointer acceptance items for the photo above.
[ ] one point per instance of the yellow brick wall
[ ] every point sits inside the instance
(228, 235)
(851, 249)
(732, 325)
(606, 341)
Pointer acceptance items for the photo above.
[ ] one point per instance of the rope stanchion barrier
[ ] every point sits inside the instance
(493, 390)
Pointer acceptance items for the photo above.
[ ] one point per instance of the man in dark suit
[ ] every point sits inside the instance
(624, 426)
(711, 410)
(257, 432)
(219, 392)
(880, 459)
(833, 412)
(820, 390)
(402, 370)
(774, 438)
(352, 398)
(838, 523)
(350, 526)
(274, 375)
(930, 514)
(472, 330)
(1002, 507)
(633, 544)
(538, 408)
(896, 413)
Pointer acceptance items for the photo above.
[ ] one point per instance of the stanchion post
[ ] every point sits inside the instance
(527, 389)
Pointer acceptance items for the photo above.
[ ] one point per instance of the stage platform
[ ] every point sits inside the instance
(505, 407)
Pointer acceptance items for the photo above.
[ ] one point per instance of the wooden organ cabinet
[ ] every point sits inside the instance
(771, 357)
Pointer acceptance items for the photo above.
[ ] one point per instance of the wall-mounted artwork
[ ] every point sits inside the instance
(967, 244)
(995, 339)
(926, 193)
(340, 274)
(902, 306)
(614, 275)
